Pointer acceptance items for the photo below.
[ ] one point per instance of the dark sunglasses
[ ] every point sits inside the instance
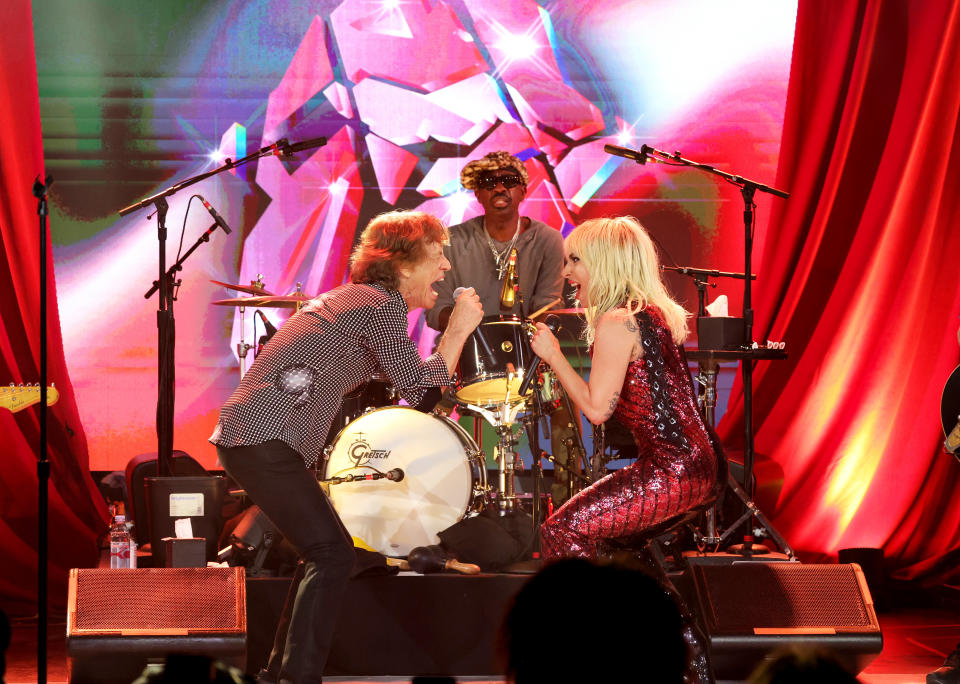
(491, 182)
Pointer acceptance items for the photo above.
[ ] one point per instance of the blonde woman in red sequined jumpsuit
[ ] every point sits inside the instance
(637, 376)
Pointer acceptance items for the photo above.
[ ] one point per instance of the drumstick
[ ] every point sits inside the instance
(544, 308)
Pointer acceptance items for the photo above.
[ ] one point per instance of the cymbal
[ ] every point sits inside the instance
(269, 301)
(249, 289)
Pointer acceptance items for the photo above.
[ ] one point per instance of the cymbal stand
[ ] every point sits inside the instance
(242, 346)
(502, 416)
(506, 460)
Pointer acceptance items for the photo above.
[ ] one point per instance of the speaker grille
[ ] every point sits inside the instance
(156, 601)
(747, 597)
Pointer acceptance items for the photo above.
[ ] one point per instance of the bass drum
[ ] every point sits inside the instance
(444, 478)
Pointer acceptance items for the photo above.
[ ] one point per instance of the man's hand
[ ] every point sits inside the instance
(467, 314)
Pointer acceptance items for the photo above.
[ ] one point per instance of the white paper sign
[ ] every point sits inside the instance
(186, 505)
(183, 528)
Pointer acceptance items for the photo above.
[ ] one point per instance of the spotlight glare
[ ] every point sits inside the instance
(518, 46)
(338, 186)
(217, 156)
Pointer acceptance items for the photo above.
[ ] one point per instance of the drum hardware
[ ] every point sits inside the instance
(507, 458)
(395, 475)
(242, 347)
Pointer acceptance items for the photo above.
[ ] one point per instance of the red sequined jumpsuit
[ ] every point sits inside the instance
(676, 467)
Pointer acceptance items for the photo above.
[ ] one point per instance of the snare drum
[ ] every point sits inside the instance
(483, 379)
(444, 478)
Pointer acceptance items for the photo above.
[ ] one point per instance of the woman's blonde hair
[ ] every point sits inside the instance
(624, 272)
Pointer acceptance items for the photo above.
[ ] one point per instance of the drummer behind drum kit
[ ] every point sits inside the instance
(397, 476)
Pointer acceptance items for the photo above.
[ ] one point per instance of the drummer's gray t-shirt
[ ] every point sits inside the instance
(539, 266)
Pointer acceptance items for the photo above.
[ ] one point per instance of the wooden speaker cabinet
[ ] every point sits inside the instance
(748, 609)
(119, 620)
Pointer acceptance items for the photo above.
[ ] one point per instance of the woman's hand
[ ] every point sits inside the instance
(545, 345)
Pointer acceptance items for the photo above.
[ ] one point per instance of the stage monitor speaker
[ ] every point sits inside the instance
(119, 620)
(749, 609)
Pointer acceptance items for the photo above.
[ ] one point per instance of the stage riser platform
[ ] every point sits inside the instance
(399, 625)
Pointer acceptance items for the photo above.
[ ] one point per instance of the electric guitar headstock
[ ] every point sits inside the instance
(18, 397)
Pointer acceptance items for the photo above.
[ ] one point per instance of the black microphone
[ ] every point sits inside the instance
(305, 145)
(267, 325)
(641, 156)
(477, 331)
(553, 323)
(394, 475)
(216, 217)
(270, 331)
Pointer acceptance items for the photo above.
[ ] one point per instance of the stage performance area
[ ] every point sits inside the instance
(481, 341)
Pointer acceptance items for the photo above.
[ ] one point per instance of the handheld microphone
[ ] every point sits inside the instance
(216, 217)
(477, 332)
(553, 323)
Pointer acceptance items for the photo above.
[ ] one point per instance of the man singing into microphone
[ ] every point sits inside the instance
(479, 249)
(273, 427)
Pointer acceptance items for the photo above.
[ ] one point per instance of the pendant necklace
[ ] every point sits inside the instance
(501, 258)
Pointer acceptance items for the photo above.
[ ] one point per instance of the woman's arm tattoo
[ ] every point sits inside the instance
(614, 400)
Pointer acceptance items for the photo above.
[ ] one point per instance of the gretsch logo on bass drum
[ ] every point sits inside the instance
(360, 451)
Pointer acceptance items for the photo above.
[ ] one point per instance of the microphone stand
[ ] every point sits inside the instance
(43, 462)
(164, 284)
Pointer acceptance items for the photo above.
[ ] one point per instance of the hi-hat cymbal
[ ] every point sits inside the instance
(249, 289)
(271, 301)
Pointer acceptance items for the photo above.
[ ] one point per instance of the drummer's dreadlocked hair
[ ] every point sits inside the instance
(472, 172)
(393, 240)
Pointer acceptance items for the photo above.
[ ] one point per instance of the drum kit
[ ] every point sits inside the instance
(397, 476)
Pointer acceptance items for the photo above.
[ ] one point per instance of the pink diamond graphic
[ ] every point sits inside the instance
(308, 73)
(392, 166)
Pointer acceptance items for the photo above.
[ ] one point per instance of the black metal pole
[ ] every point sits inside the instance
(746, 366)
(43, 463)
(165, 351)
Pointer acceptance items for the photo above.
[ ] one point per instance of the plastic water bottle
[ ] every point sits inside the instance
(123, 550)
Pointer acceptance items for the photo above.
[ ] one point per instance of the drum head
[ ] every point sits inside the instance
(436, 490)
(492, 392)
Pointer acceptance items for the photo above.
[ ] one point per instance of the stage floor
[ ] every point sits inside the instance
(916, 639)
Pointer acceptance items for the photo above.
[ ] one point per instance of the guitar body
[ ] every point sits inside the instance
(950, 405)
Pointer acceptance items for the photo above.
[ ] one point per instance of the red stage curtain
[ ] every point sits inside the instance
(858, 275)
(77, 512)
